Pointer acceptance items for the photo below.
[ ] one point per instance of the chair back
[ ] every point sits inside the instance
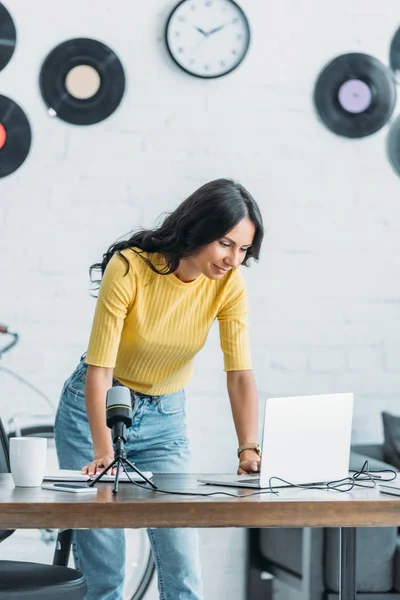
(4, 468)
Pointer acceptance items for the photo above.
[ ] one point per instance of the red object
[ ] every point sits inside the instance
(3, 136)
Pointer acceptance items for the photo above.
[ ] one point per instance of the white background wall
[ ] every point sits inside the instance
(325, 297)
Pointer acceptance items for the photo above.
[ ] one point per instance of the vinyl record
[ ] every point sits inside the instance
(8, 37)
(355, 95)
(82, 81)
(394, 55)
(15, 136)
(393, 145)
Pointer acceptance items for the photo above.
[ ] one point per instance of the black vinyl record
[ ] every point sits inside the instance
(15, 136)
(393, 145)
(82, 81)
(8, 37)
(394, 55)
(355, 95)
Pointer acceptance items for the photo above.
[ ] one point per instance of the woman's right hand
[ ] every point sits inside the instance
(97, 465)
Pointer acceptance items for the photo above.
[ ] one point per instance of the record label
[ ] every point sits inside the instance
(15, 136)
(3, 135)
(8, 37)
(82, 81)
(355, 95)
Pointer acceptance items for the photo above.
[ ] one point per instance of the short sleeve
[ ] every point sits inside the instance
(233, 325)
(116, 295)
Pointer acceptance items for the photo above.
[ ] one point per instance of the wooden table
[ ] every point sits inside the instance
(134, 508)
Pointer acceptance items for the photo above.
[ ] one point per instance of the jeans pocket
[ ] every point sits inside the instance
(172, 404)
(76, 382)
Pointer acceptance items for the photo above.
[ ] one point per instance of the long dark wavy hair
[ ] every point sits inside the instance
(204, 217)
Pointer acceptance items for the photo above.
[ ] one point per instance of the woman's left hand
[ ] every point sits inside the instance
(249, 462)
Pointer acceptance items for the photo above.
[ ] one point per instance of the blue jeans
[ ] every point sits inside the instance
(156, 442)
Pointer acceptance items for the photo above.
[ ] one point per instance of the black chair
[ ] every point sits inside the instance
(33, 581)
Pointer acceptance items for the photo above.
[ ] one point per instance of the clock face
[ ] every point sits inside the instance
(207, 38)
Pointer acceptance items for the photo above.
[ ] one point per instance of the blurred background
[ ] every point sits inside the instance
(325, 296)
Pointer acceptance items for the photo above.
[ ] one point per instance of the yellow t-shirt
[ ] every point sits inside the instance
(149, 327)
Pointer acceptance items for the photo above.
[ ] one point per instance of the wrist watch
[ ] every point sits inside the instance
(251, 446)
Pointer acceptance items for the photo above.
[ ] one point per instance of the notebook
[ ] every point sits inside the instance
(391, 488)
(68, 475)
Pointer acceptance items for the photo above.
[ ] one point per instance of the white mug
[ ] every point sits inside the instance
(28, 460)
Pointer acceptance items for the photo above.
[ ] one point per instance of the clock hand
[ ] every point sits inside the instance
(219, 28)
(201, 31)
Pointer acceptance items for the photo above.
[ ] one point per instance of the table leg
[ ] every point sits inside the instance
(347, 563)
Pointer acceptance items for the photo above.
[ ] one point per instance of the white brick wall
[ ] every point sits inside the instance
(325, 298)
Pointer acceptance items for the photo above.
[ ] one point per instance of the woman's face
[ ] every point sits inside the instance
(219, 257)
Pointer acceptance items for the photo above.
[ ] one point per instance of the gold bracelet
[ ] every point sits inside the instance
(251, 446)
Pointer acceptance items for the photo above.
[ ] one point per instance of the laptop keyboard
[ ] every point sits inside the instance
(249, 479)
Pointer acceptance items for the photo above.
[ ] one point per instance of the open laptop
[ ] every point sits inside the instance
(306, 440)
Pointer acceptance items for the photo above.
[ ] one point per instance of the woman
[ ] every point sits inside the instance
(160, 292)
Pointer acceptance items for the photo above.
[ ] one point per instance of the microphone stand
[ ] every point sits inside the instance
(120, 460)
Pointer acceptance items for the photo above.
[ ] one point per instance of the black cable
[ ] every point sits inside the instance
(144, 486)
(348, 482)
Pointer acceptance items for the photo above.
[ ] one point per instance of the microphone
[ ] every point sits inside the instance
(119, 416)
(119, 412)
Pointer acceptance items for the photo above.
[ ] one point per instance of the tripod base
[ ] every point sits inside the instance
(120, 462)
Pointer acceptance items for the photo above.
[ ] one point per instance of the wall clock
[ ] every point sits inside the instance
(207, 38)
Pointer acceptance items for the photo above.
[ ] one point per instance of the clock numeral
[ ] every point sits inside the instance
(239, 36)
(234, 52)
(177, 34)
(180, 49)
(223, 63)
(182, 18)
(235, 20)
(206, 67)
(208, 3)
